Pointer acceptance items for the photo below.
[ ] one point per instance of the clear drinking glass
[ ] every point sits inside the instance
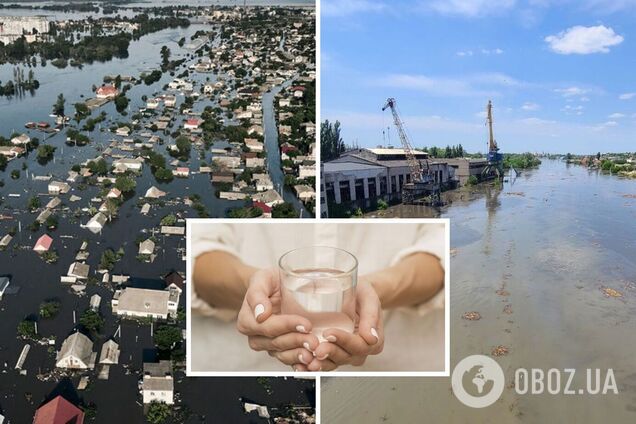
(318, 283)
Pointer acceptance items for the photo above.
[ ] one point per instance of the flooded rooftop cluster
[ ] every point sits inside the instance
(99, 170)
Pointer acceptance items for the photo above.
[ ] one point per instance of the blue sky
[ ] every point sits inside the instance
(561, 73)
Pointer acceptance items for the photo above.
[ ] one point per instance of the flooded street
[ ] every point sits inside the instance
(536, 260)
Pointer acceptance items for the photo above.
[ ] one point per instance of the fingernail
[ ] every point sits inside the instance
(259, 310)
(300, 358)
(374, 333)
(322, 358)
(331, 339)
(306, 346)
(301, 329)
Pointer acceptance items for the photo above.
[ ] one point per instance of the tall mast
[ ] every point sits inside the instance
(492, 143)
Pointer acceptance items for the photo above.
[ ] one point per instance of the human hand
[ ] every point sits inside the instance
(288, 338)
(344, 348)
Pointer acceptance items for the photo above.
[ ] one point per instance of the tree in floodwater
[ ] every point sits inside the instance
(58, 107)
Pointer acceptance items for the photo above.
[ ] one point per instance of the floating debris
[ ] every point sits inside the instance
(507, 309)
(609, 292)
(516, 193)
(500, 351)
(502, 292)
(472, 316)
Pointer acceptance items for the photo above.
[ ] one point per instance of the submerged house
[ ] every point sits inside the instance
(157, 384)
(96, 223)
(147, 247)
(76, 353)
(43, 244)
(146, 303)
(110, 353)
(58, 411)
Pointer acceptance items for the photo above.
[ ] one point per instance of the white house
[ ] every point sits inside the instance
(58, 187)
(146, 247)
(145, 303)
(127, 164)
(110, 353)
(158, 384)
(306, 171)
(254, 145)
(21, 140)
(76, 353)
(96, 223)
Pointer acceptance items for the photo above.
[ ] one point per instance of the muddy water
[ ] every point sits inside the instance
(533, 259)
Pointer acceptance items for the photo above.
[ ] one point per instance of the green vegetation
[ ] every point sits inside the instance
(152, 77)
(382, 204)
(33, 203)
(19, 84)
(447, 152)
(284, 210)
(246, 212)
(169, 220)
(58, 107)
(472, 180)
(75, 138)
(110, 258)
(166, 337)
(15, 174)
(49, 309)
(125, 184)
(45, 153)
(50, 256)
(521, 161)
(121, 103)
(91, 320)
(331, 144)
(26, 329)
(158, 412)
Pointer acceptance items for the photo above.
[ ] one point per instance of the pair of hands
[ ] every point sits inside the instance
(289, 338)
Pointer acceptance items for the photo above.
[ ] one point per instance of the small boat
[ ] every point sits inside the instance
(30, 125)
(43, 124)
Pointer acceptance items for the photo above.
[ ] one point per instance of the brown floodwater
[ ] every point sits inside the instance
(535, 259)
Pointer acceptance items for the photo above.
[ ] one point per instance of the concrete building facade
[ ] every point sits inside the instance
(362, 176)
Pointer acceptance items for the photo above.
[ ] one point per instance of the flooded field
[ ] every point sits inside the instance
(548, 262)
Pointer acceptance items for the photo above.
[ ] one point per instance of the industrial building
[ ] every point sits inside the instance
(29, 27)
(362, 176)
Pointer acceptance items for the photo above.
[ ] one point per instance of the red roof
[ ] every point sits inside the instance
(298, 88)
(262, 206)
(58, 411)
(286, 147)
(107, 89)
(194, 122)
(43, 243)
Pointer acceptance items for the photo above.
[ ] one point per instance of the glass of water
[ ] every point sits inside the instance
(318, 283)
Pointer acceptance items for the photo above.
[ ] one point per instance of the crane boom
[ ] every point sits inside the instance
(492, 145)
(414, 165)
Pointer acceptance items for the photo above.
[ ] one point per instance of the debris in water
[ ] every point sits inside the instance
(507, 309)
(609, 292)
(502, 292)
(472, 316)
(500, 351)
(516, 193)
(453, 252)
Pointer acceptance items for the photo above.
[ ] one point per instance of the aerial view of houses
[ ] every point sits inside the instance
(117, 123)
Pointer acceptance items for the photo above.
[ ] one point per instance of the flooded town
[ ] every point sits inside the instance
(117, 123)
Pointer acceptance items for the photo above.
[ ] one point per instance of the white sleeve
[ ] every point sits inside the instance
(430, 238)
(208, 238)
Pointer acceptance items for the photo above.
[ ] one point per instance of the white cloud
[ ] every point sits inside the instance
(529, 106)
(469, 8)
(584, 40)
(605, 125)
(485, 52)
(573, 110)
(627, 96)
(571, 91)
(481, 85)
(584, 99)
(339, 8)
(616, 115)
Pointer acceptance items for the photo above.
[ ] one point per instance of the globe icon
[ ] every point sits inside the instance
(477, 382)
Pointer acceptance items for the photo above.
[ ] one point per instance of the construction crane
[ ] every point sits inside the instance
(421, 179)
(495, 159)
